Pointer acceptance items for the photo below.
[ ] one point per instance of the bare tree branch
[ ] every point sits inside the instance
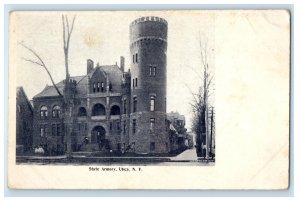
(40, 64)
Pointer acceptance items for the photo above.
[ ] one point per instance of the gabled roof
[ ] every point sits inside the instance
(112, 71)
(50, 91)
(20, 90)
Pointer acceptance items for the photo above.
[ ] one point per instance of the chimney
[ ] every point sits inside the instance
(122, 63)
(90, 66)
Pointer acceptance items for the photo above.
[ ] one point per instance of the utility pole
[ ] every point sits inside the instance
(206, 112)
(211, 127)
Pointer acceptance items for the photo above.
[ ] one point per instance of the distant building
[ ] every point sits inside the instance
(179, 138)
(114, 110)
(24, 118)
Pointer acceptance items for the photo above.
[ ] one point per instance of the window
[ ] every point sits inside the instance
(133, 126)
(94, 87)
(110, 87)
(152, 124)
(58, 130)
(54, 131)
(124, 127)
(133, 83)
(124, 106)
(42, 131)
(98, 87)
(98, 110)
(46, 130)
(44, 112)
(152, 146)
(133, 59)
(82, 112)
(118, 125)
(136, 82)
(152, 103)
(56, 111)
(134, 104)
(19, 108)
(152, 71)
(102, 86)
(115, 110)
(136, 57)
(110, 125)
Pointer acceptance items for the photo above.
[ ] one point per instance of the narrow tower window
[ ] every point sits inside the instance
(152, 124)
(133, 59)
(154, 71)
(124, 106)
(133, 126)
(136, 58)
(136, 82)
(152, 103)
(150, 70)
(134, 104)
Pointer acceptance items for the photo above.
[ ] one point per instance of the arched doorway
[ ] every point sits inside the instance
(98, 135)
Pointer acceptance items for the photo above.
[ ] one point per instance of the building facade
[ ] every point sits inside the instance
(24, 122)
(113, 109)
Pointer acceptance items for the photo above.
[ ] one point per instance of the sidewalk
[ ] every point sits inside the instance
(187, 155)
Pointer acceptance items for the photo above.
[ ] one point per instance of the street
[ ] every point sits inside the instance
(188, 157)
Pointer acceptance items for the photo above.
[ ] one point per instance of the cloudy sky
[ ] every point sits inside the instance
(104, 37)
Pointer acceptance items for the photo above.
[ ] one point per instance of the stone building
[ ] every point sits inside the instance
(24, 118)
(113, 109)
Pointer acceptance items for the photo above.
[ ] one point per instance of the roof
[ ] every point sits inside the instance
(21, 90)
(112, 71)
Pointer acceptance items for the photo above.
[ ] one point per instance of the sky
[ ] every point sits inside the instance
(104, 37)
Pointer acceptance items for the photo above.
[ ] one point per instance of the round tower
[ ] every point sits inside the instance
(148, 48)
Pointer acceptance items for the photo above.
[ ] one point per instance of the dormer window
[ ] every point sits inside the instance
(102, 86)
(94, 87)
(98, 86)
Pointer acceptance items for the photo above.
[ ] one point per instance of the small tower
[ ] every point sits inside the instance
(148, 48)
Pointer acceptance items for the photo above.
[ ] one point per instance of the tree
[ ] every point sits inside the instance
(67, 96)
(201, 103)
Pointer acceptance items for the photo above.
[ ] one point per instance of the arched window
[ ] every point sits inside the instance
(98, 86)
(56, 111)
(44, 112)
(82, 112)
(115, 110)
(98, 110)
